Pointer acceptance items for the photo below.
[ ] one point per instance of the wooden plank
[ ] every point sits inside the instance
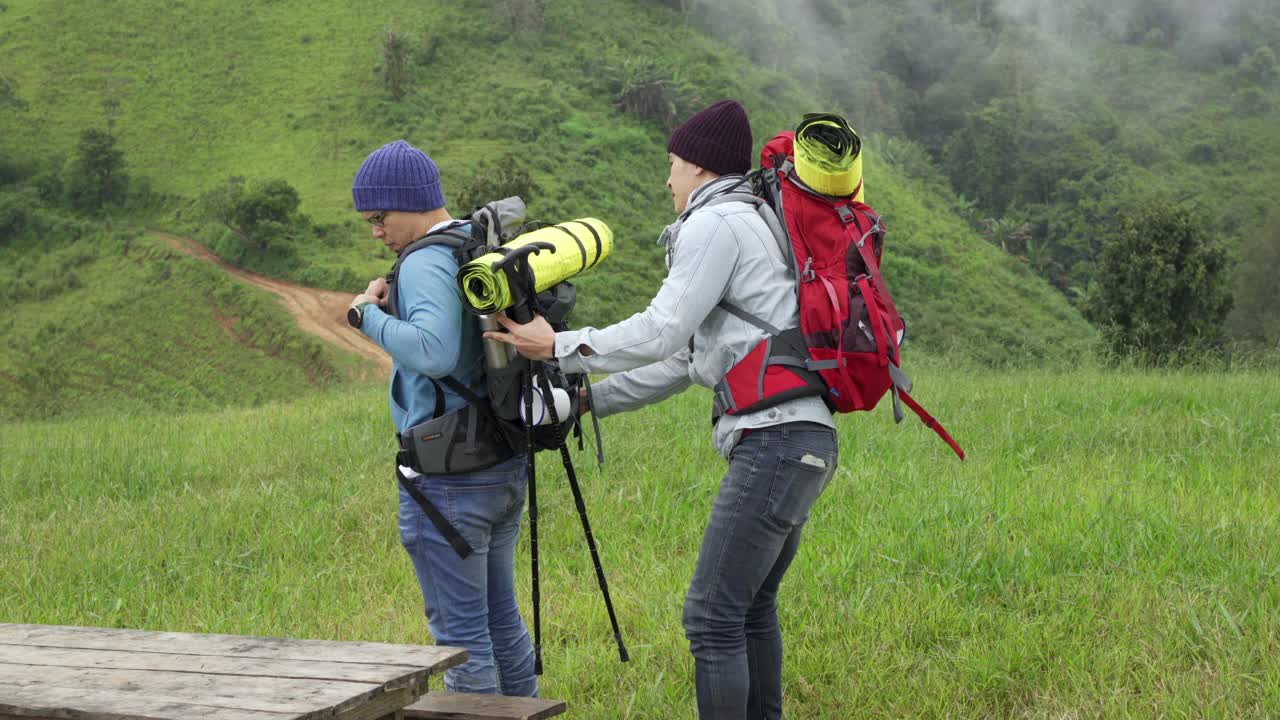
(35, 703)
(467, 706)
(434, 658)
(397, 675)
(381, 707)
(285, 695)
(42, 701)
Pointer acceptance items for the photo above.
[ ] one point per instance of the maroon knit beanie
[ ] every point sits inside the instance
(717, 139)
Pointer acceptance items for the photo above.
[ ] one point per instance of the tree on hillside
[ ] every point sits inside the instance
(261, 214)
(982, 158)
(1256, 317)
(9, 97)
(95, 176)
(495, 181)
(1161, 285)
(648, 90)
(1010, 233)
(684, 6)
(526, 18)
(395, 62)
(1261, 67)
(264, 212)
(220, 203)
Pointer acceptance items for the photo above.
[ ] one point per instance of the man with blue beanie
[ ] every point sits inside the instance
(435, 347)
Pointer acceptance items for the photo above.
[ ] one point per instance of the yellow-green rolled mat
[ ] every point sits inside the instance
(580, 245)
(829, 155)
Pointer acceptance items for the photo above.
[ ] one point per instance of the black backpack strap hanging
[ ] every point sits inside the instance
(595, 421)
(441, 523)
(405, 457)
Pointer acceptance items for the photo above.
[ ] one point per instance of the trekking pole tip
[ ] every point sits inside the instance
(622, 649)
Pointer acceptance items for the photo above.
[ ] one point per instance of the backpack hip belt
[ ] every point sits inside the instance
(777, 369)
(462, 441)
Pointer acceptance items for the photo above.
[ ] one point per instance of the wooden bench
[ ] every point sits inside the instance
(467, 706)
(49, 672)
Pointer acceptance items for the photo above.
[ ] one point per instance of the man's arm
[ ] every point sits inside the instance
(642, 386)
(428, 341)
(705, 256)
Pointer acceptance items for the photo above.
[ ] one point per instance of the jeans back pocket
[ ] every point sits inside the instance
(797, 483)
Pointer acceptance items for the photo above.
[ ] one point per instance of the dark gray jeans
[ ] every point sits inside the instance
(731, 614)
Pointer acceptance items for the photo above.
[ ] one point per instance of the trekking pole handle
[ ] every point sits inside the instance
(521, 252)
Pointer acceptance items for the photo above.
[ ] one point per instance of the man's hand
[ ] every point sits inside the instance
(584, 401)
(534, 340)
(375, 293)
(363, 298)
(378, 290)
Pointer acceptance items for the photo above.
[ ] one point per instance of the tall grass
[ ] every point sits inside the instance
(1110, 549)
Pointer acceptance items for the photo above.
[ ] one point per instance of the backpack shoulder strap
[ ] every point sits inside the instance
(766, 212)
(747, 317)
(467, 393)
(448, 236)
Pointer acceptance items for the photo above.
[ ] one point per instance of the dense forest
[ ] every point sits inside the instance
(1051, 120)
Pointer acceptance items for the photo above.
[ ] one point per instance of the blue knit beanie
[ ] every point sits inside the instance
(397, 176)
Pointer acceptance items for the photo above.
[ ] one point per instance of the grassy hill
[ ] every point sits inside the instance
(292, 90)
(110, 323)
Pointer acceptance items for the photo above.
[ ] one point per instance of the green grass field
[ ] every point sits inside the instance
(1110, 549)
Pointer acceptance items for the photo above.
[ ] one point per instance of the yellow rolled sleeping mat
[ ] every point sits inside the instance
(828, 155)
(580, 245)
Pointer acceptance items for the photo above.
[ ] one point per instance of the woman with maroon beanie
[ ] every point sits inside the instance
(725, 270)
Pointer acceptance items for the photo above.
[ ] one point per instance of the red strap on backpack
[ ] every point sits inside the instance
(877, 320)
(929, 422)
(873, 264)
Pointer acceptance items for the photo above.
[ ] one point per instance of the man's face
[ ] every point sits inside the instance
(685, 177)
(391, 227)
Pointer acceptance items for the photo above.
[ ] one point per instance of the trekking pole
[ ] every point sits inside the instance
(582, 510)
(516, 265)
(531, 459)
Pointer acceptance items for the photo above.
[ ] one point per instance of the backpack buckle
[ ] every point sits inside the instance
(846, 215)
(807, 274)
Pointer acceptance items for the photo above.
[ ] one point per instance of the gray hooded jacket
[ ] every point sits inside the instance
(715, 252)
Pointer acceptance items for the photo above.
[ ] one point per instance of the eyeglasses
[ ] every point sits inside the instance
(378, 220)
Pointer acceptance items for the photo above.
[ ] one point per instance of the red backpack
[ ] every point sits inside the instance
(847, 346)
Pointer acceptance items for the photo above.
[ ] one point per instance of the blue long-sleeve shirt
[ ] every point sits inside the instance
(434, 338)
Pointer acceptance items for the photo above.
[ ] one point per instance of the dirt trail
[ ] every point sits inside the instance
(322, 313)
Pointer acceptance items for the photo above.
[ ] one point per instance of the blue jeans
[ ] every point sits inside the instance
(731, 614)
(471, 603)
